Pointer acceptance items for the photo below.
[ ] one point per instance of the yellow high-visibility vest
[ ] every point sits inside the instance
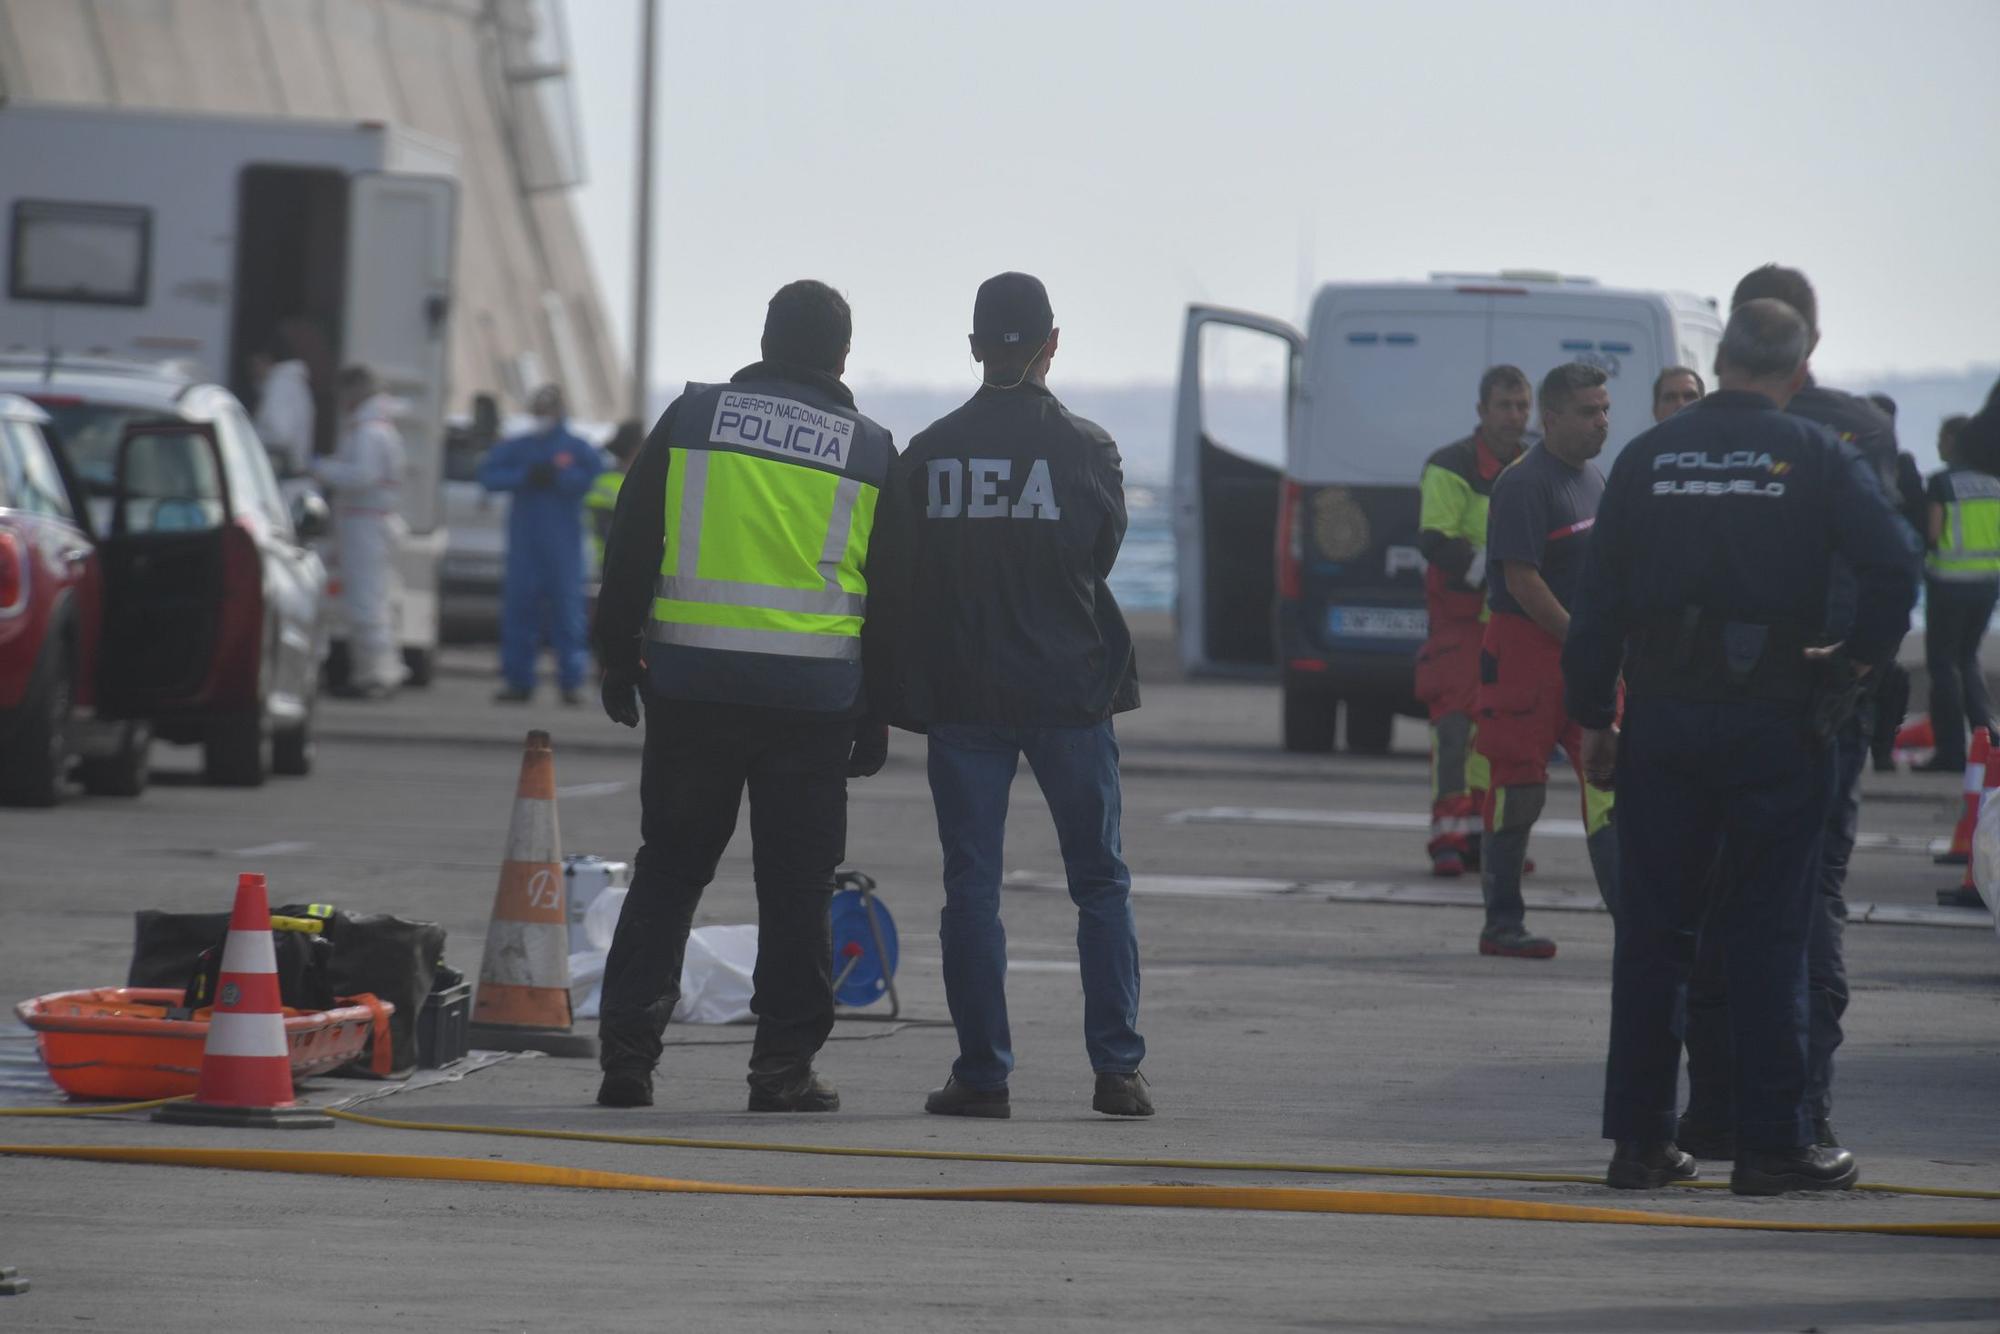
(770, 507)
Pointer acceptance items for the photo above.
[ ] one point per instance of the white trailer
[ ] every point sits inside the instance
(201, 239)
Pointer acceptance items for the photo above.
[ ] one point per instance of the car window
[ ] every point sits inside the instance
(172, 484)
(250, 477)
(89, 433)
(36, 484)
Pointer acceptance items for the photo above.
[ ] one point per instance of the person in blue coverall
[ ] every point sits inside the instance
(547, 471)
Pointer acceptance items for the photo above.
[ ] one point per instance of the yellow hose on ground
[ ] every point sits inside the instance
(94, 1109)
(976, 1156)
(1275, 1199)
(1085, 1160)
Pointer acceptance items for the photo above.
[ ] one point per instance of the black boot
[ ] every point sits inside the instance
(955, 1099)
(1121, 1094)
(626, 1087)
(803, 1091)
(1648, 1165)
(1775, 1171)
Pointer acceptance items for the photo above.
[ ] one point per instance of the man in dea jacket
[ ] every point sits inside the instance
(1005, 518)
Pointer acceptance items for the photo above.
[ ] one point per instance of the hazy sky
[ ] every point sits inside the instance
(1138, 156)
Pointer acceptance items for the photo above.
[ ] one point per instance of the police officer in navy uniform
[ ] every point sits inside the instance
(1007, 516)
(736, 604)
(1707, 578)
(1704, 1129)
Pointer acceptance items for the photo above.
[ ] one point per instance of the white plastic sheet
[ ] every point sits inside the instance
(715, 974)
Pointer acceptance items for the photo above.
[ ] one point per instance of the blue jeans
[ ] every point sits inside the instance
(972, 767)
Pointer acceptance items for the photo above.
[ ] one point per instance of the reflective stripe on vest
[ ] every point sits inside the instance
(779, 572)
(1969, 543)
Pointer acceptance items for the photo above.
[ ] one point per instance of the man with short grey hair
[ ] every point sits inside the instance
(1707, 581)
(1705, 1126)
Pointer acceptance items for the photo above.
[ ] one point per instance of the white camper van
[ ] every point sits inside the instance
(1304, 564)
(156, 236)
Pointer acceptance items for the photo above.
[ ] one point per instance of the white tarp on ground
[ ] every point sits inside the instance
(715, 975)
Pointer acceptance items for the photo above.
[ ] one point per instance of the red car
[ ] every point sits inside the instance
(51, 606)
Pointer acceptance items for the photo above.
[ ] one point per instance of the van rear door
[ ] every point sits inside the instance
(1226, 485)
(165, 557)
(398, 305)
(1393, 375)
(1628, 337)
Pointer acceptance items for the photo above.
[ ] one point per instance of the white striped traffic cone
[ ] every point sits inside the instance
(1960, 852)
(523, 999)
(246, 1065)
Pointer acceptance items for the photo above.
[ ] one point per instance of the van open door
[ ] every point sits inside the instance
(176, 595)
(399, 294)
(1226, 500)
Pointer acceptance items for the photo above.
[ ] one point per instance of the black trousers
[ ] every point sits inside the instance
(1710, 1046)
(699, 759)
(1955, 617)
(1737, 784)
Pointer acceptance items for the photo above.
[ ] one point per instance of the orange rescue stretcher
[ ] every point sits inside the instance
(119, 1043)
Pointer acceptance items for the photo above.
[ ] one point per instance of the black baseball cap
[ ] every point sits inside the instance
(1012, 309)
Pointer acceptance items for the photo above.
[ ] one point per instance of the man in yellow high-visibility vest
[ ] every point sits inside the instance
(600, 503)
(1961, 583)
(1456, 488)
(734, 601)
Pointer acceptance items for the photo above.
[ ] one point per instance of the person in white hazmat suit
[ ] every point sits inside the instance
(284, 411)
(365, 475)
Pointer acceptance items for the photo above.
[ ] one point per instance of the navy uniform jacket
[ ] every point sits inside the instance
(1005, 519)
(1737, 508)
(1854, 421)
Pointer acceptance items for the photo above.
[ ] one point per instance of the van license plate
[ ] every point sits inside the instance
(1377, 622)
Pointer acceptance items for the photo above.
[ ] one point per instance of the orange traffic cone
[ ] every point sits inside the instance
(1975, 788)
(246, 1065)
(523, 996)
(1968, 885)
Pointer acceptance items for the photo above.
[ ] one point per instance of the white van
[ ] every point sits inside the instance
(1305, 564)
(156, 236)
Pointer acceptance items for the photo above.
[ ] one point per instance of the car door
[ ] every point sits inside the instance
(181, 596)
(1226, 509)
(294, 579)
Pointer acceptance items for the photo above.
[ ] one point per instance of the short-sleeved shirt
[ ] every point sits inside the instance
(1541, 515)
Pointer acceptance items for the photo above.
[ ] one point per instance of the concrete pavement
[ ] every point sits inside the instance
(1280, 1028)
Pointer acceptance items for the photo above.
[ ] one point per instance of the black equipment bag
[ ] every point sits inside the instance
(390, 957)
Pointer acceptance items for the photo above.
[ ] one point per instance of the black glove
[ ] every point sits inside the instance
(542, 477)
(621, 695)
(871, 749)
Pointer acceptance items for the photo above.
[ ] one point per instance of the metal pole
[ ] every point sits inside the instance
(642, 225)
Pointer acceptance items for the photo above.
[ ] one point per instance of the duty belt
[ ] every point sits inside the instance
(1697, 654)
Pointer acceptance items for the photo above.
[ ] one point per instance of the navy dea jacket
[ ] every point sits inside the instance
(1003, 521)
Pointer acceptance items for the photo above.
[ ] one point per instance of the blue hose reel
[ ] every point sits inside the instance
(864, 944)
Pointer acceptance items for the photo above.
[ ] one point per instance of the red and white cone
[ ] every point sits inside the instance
(1967, 894)
(246, 1065)
(1960, 853)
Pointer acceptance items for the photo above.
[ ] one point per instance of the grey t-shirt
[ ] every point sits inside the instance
(1541, 515)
